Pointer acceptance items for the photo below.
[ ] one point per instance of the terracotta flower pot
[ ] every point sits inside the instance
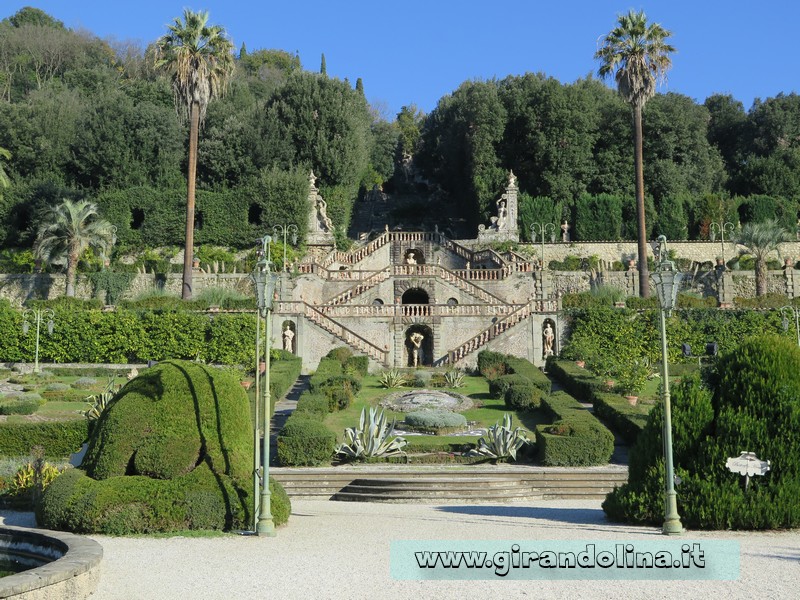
(581, 364)
(632, 400)
(246, 384)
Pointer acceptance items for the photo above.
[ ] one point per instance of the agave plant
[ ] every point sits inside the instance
(501, 441)
(393, 379)
(454, 378)
(99, 402)
(372, 437)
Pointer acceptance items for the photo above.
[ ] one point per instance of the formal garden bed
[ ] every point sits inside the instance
(500, 413)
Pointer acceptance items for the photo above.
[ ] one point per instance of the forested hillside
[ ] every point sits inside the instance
(85, 118)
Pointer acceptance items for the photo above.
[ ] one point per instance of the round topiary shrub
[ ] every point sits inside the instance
(523, 396)
(306, 442)
(172, 451)
(436, 421)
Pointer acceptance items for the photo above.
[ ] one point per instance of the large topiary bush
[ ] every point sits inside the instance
(172, 451)
(752, 403)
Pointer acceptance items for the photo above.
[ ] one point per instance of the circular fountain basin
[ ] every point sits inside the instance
(426, 400)
(58, 564)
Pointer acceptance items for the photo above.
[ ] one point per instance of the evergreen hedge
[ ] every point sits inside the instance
(305, 441)
(575, 438)
(751, 403)
(58, 438)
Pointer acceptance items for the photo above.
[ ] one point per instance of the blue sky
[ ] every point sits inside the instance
(416, 52)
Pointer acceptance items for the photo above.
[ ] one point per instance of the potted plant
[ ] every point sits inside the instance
(633, 378)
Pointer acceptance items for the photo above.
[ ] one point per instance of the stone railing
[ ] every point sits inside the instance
(345, 334)
(451, 277)
(418, 310)
(368, 283)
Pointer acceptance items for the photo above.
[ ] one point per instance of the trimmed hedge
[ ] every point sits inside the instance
(315, 405)
(576, 437)
(520, 366)
(626, 419)
(498, 387)
(283, 372)
(304, 441)
(523, 397)
(58, 438)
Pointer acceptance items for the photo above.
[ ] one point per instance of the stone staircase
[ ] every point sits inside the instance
(497, 328)
(362, 286)
(499, 483)
(345, 334)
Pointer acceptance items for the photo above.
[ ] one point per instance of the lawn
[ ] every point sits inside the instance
(485, 413)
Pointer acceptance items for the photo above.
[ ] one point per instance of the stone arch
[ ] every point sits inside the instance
(425, 350)
(549, 338)
(414, 256)
(289, 336)
(415, 295)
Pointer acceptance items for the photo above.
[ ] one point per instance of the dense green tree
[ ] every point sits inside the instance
(67, 231)
(760, 239)
(549, 136)
(637, 55)
(4, 180)
(726, 128)
(199, 59)
(539, 209)
(459, 148)
(33, 16)
(323, 68)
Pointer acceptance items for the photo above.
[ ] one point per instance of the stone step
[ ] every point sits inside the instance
(443, 484)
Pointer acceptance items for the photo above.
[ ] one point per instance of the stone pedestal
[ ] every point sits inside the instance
(503, 227)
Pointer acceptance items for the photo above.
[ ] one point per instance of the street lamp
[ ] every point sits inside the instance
(542, 229)
(38, 315)
(785, 320)
(721, 228)
(265, 279)
(667, 281)
(284, 230)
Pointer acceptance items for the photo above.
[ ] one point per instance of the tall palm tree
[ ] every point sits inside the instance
(759, 239)
(199, 58)
(637, 54)
(67, 231)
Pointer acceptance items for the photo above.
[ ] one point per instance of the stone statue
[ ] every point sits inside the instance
(416, 346)
(410, 260)
(288, 339)
(502, 213)
(548, 336)
(325, 223)
(565, 231)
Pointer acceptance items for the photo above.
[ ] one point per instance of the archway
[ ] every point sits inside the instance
(415, 296)
(419, 344)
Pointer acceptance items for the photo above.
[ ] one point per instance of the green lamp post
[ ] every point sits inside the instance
(286, 230)
(265, 279)
(542, 229)
(667, 281)
(38, 315)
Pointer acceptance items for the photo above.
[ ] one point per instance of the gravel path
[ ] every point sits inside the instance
(340, 550)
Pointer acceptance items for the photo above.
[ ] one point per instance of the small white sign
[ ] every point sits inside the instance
(747, 463)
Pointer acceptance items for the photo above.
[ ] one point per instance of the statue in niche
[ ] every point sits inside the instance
(565, 231)
(288, 339)
(548, 337)
(410, 260)
(416, 347)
